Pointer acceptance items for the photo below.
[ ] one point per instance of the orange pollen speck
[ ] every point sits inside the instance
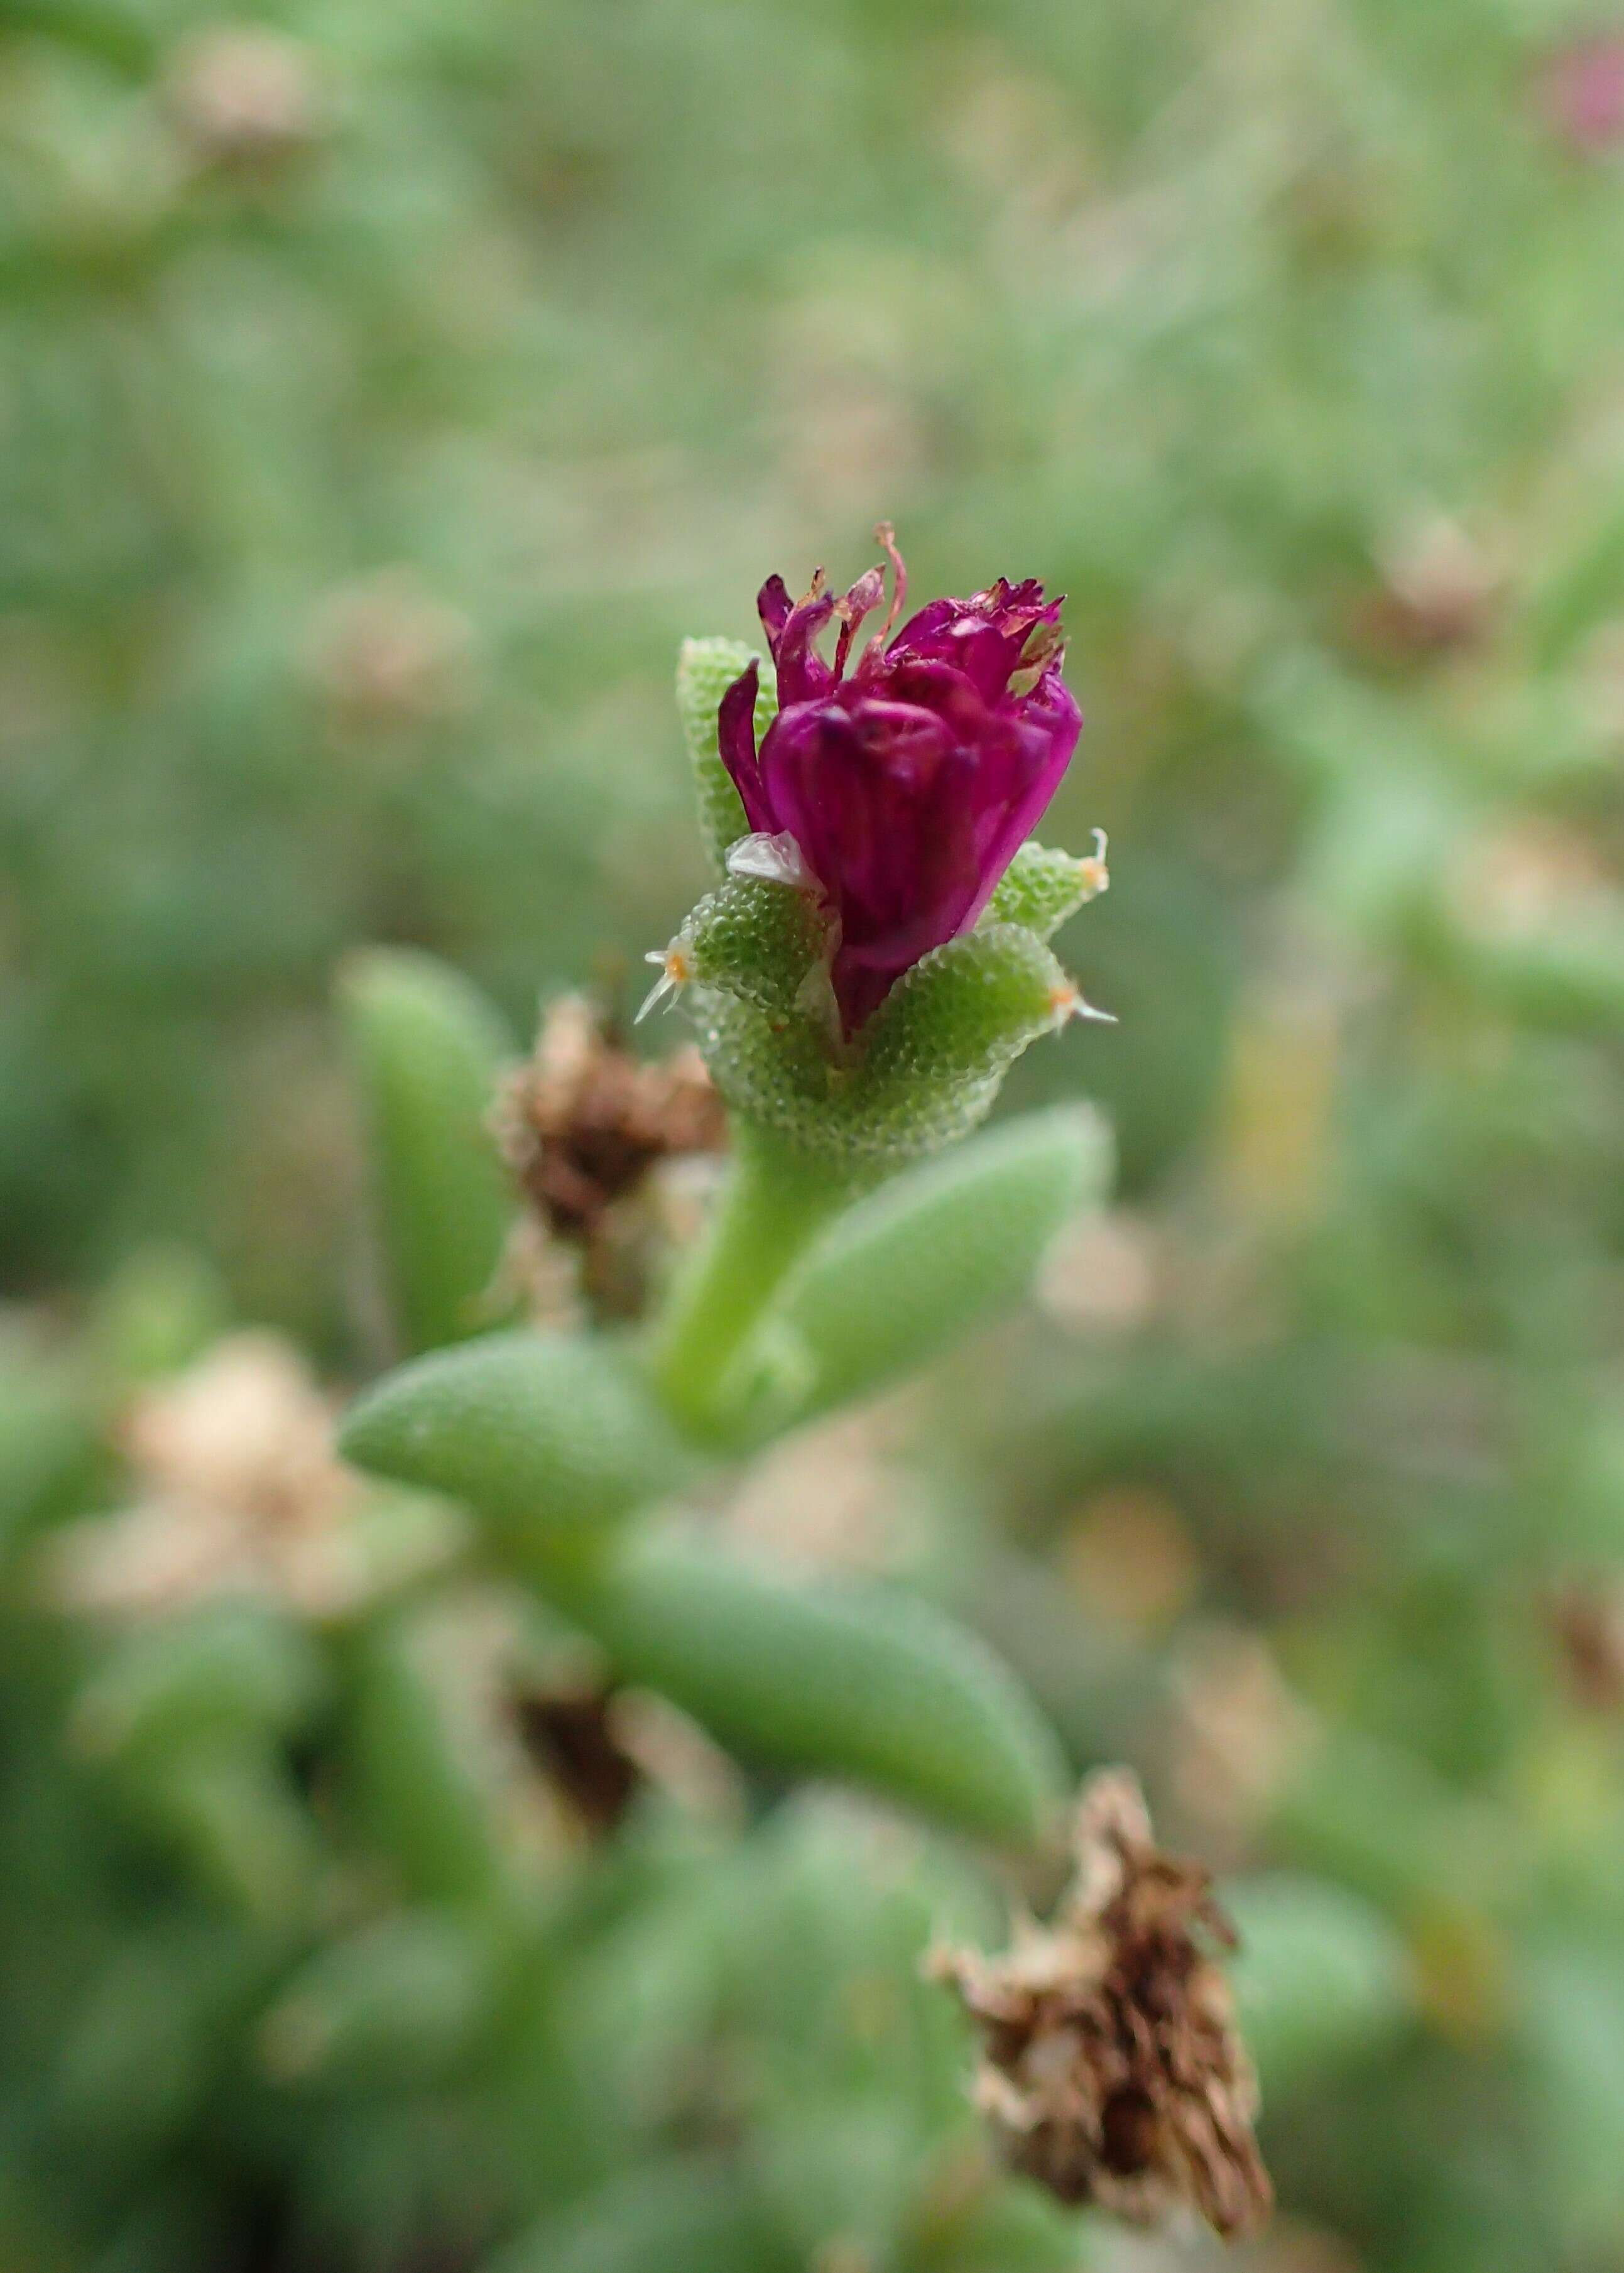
(677, 969)
(1063, 1001)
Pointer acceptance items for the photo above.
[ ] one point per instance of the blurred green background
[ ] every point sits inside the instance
(385, 386)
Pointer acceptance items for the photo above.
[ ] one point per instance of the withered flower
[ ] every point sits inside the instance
(237, 1490)
(1111, 2070)
(582, 1125)
(245, 99)
(1582, 94)
(908, 783)
(1587, 1625)
(388, 655)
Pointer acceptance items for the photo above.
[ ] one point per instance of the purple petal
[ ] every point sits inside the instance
(985, 638)
(773, 605)
(803, 674)
(736, 745)
(860, 602)
(1054, 723)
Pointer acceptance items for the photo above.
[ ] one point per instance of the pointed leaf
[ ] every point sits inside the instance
(754, 940)
(421, 1764)
(429, 1051)
(398, 2002)
(1321, 1978)
(931, 1256)
(834, 1677)
(548, 1438)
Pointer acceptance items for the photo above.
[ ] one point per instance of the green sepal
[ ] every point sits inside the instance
(706, 668)
(429, 1051)
(925, 1070)
(838, 1678)
(401, 2001)
(548, 1438)
(919, 1265)
(1041, 887)
(760, 943)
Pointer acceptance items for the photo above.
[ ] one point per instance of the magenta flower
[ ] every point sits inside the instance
(1583, 95)
(909, 784)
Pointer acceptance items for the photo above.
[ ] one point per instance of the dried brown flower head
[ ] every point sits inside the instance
(388, 655)
(1111, 2071)
(584, 1123)
(1587, 1625)
(1438, 593)
(244, 98)
(237, 1489)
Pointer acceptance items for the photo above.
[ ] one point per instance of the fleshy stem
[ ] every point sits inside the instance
(775, 1202)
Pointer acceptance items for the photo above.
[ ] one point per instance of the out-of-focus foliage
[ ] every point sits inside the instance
(385, 387)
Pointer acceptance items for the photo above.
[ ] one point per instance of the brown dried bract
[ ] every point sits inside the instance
(1111, 2069)
(584, 1122)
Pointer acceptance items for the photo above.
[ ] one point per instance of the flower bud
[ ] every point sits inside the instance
(910, 785)
(876, 959)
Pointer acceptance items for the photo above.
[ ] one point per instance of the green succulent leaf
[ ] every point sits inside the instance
(684, 2215)
(1321, 1978)
(548, 1438)
(422, 1765)
(229, 1668)
(400, 2002)
(48, 1442)
(429, 1051)
(836, 1678)
(140, 2056)
(225, 1804)
(919, 1264)
(706, 668)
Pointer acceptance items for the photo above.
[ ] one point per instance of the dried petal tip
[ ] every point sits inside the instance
(1111, 2071)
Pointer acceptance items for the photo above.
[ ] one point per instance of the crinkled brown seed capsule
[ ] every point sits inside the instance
(1111, 2070)
(583, 1123)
